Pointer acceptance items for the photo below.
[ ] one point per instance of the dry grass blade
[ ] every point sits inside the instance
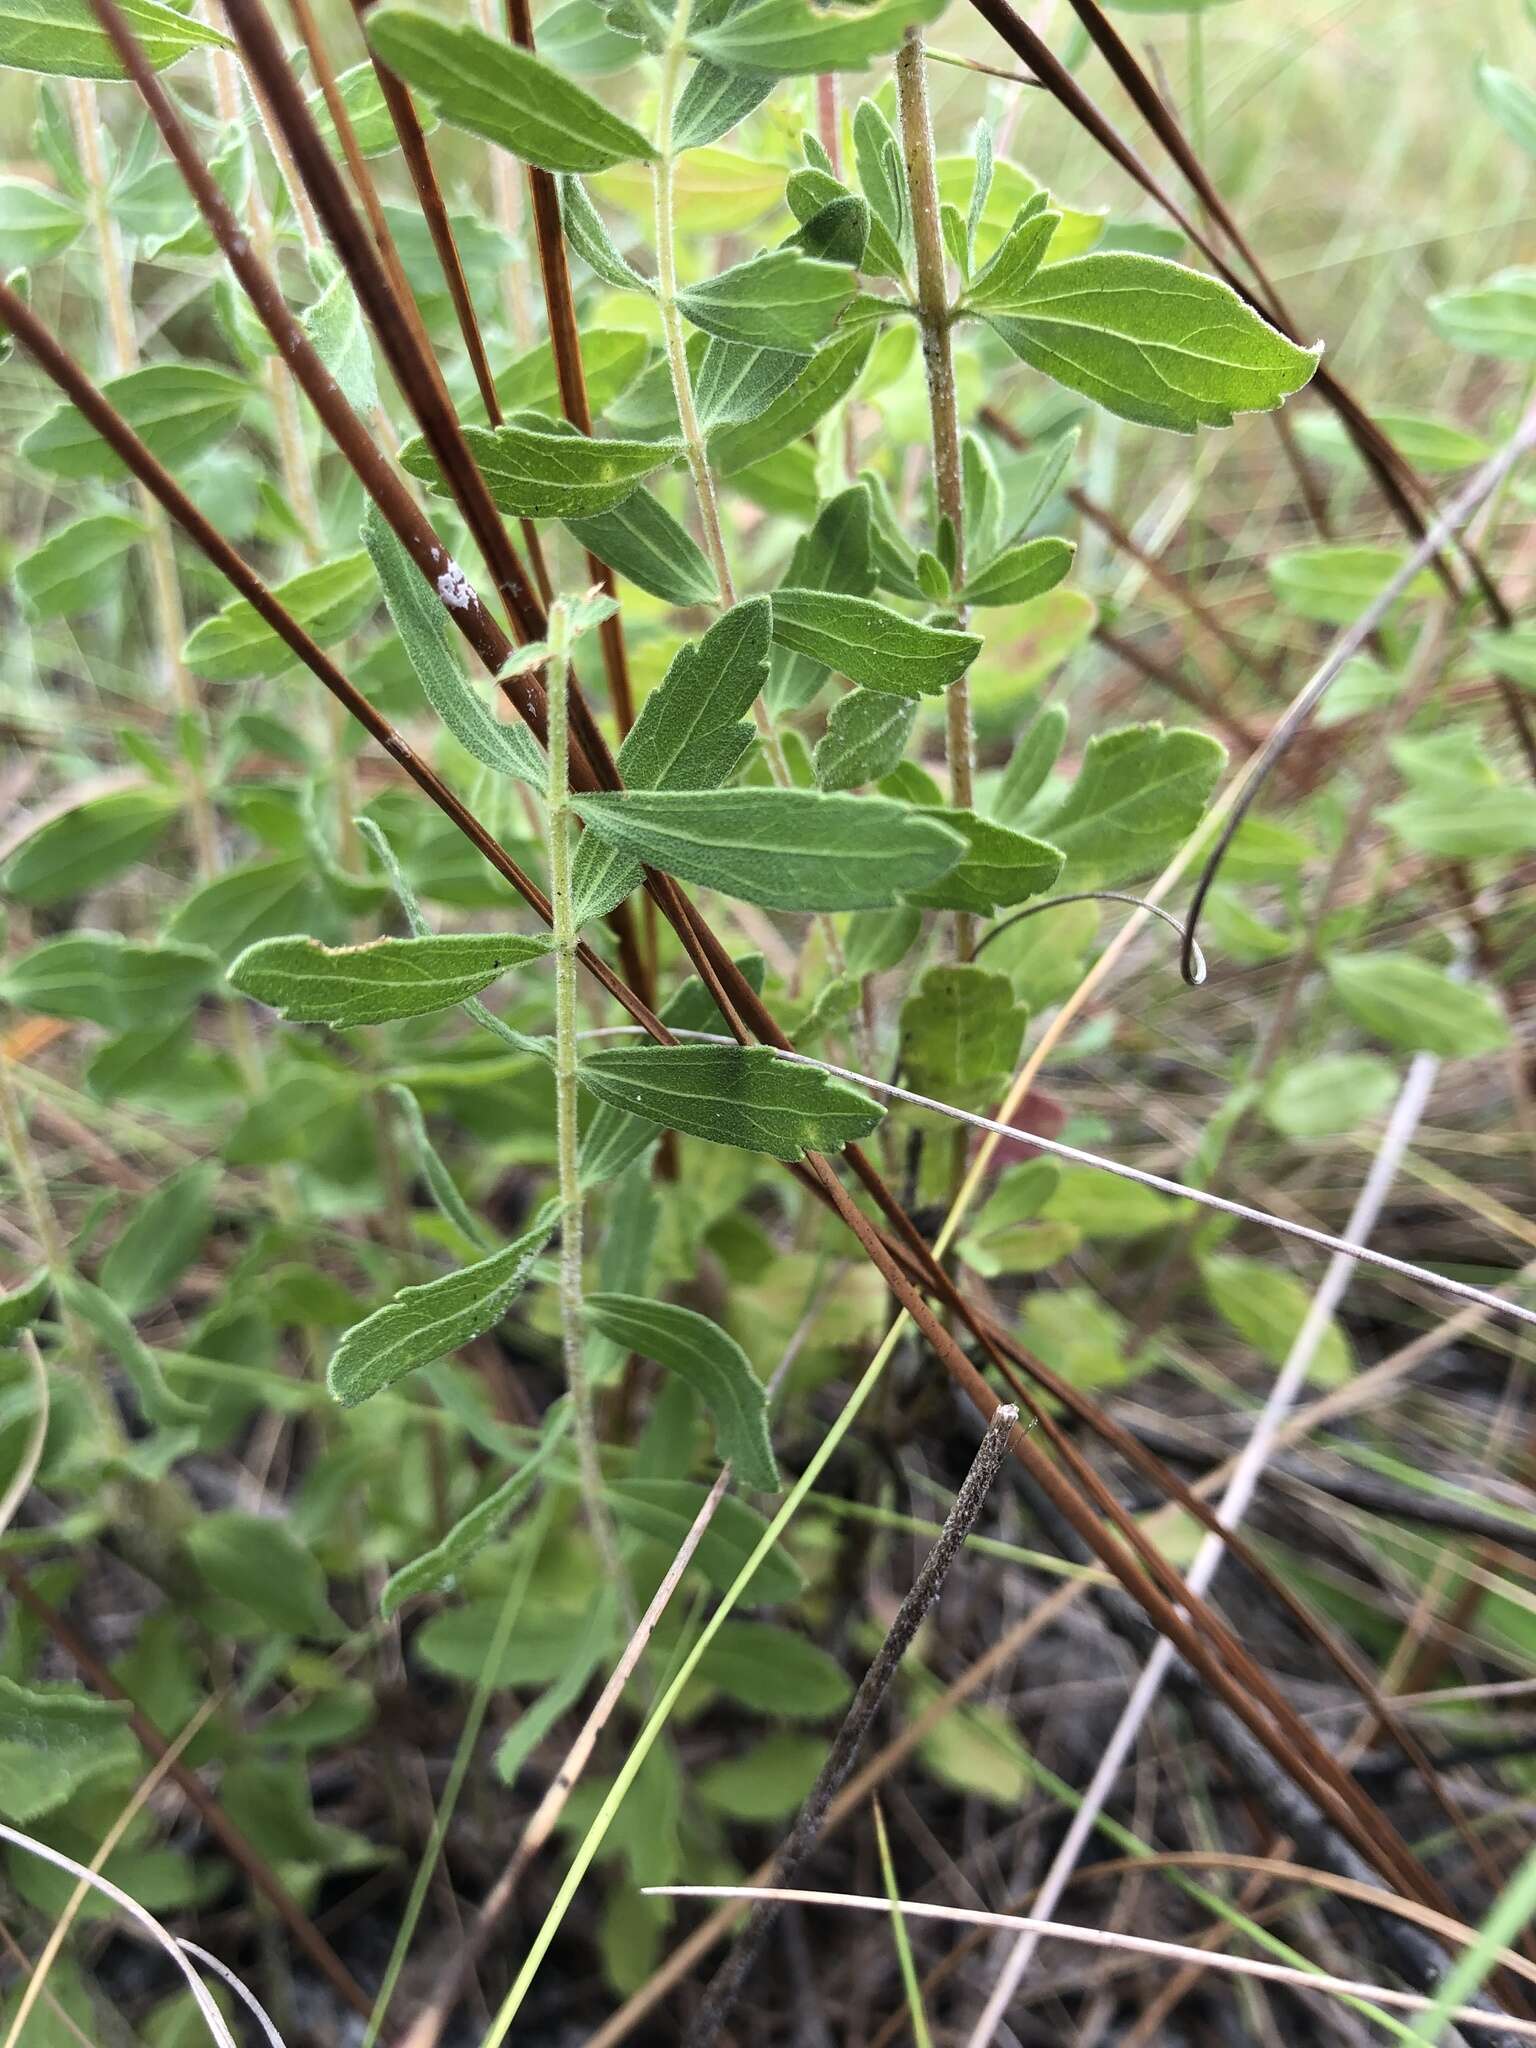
(1127, 1944)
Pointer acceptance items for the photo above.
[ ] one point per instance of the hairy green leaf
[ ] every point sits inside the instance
(1152, 341)
(260, 1562)
(1493, 319)
(503, 94)
(70, 572)
(237, 644)
(587, 233)
(36, 223)
(432, 648)
(641, 540)
(781, 299)
(691, 732)
(1415, 1005)
(1138, 795)
(733, 1095)
(108, 980)
(377, 982)
(65, 38)
(176, 409)
(1001, 866)
(715, 98)
(869, 643)
(792, 38)
(866, 735)
(961, 1029)
(537, 471)
(427, 1322)
(786, 849)
(1018, 574)
(86, 845)
(710, 1361)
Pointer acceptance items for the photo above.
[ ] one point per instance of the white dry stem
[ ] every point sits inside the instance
(159, 1935)
(1110, 1938)
(1233, 1505)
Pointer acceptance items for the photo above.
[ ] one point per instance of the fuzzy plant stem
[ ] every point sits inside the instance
(567, 1097)
(934, 316)
(672, 59)
(159, 554)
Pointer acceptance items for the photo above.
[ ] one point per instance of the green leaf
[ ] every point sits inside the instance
(1412, 1004)
(335, 325)
(792, 38)
(641, 540)
(774, 1671)
(877, 158)
(713, 101)
(691, 732)
(115, 1329)
(1031, 762)
(163, 1237)
(20, 1309)
(588, 235)
(1335, 584)
(108, 980)
(456, 1643)
(780, 299)
(611, 361)
(812, 194)
(1511, 653)
(1101, 1204)
(710, 1361)
(36, 223)
(733, 1095)
(1001, 866)
(1000, 287)
(537, 471)
(237, 645)
(445, 1561)
(65, 39)
(1020, 573)
(432, 649)
(578, 37)
(866, 736)
(53, 1740)
(1152, 341)
(65, 575)
(1267, 1307)
(1138, 795)
(1324, 1098)
(427, 1322)
(736, 382)
(377, 982)
(768, 1782)
(1510, 101)
(961, 1029)
(785, 849)
(837, 232)
(259, 900)
(1009, 1235)
(1493, 319)
(665, 1510)
(1422, 439)
(503, 94)
(259, 1561)
(1466, 823)
(87, 845)
(366, 108)
(176, 409)
(870, 644)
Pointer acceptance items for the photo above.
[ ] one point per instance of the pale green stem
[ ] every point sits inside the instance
(935, 317)
(567, 1091)
(677, 356)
